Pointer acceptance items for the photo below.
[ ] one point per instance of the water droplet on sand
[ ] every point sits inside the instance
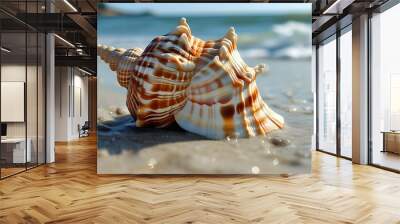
(233, 140)
(151, 163)
(279, 141)
(255, 170)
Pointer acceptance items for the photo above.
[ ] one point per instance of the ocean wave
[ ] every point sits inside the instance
(294, 52)
(291, 31)
(288, 52)
(286, 40)
(254, 53)
(292, 28)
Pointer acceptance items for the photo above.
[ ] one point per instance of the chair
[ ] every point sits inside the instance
(84, 130)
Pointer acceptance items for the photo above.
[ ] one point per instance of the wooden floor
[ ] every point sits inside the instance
(387, 159)
(5, 172)
(70, 191)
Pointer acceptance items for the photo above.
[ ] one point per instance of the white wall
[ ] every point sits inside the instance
(70, 84)
(61, 103)
(80, 109)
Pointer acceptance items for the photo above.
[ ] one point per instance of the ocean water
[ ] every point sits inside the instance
(282, 43)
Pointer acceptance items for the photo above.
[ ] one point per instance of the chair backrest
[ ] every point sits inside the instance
(86, 125)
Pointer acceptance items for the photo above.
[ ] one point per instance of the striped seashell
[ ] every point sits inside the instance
(223, 98)
(157, 80)
(120, 60)
(204, 86)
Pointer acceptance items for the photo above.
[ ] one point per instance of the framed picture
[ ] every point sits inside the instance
(204, 88)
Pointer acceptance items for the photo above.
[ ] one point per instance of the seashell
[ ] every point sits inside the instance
(157, 79)
(120, 60)
(223, 98)
(205, 86)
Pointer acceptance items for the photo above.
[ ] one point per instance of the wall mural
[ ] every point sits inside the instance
(204, 88)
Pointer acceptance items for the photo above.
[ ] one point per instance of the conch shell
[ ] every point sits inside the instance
(204, 86)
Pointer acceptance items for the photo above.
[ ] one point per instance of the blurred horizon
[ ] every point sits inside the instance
(201, 9)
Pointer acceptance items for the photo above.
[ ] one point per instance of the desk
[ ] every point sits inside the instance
(391, 141)
(16, 147)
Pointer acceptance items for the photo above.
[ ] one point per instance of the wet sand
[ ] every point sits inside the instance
(124, 148)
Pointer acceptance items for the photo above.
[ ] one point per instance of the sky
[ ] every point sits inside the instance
(213, 8)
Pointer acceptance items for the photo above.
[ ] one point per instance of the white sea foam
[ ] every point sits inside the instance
(291, 28)
(254, 53)
(294, 52)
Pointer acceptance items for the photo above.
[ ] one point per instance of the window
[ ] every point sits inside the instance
(327, 96)
(22, 75)
(346, 93)
(385, 89)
